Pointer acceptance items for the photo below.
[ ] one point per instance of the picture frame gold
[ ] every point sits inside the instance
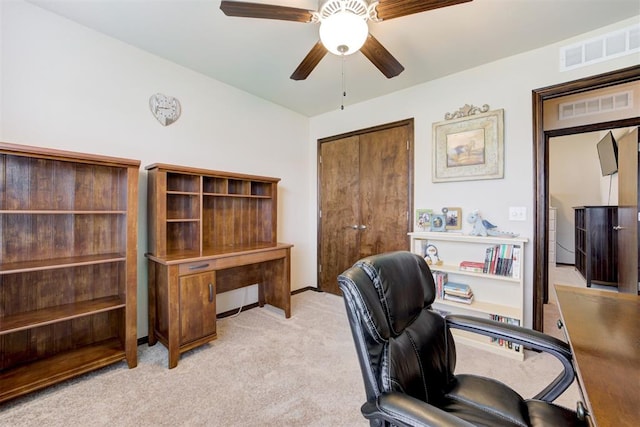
(453, 219)
(469, 148)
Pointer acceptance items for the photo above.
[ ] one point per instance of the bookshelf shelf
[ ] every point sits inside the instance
(496, 296)
(445, 268)
(482, 307)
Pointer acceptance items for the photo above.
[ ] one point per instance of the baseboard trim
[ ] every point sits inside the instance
(306, 288)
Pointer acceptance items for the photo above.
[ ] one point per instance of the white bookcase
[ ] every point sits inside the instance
(494, 296)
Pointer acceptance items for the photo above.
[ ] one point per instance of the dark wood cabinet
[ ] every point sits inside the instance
(68, 281)
(596, 245)
(197, 307)
(209, 232)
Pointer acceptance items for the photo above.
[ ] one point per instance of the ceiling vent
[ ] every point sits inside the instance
(602, 104)
(603, 48)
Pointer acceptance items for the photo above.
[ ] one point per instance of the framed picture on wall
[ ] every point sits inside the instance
(469, 147)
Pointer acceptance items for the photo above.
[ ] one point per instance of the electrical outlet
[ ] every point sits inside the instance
(517, 213)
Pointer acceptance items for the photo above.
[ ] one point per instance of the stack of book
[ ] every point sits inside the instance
(458, 292)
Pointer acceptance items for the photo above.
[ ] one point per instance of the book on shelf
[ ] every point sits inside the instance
(458, 292)
(439, 279)
(502, 260)
(456, 298)
(474, 266)
(502, 342)
(460, 289)
(516, 262)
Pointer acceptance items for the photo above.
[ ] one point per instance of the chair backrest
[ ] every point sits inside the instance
(402, 344)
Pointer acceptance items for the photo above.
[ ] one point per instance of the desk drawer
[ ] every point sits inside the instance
(197, 267)
(223, 262)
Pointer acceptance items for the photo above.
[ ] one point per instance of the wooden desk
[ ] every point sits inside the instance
(603, 329)
(182, 312)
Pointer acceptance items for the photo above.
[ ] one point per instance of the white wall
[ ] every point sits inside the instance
(65, 86)
(574, 180)
(503, 84)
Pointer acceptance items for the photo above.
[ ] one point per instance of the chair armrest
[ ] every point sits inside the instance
(527, 338)
(400, 409)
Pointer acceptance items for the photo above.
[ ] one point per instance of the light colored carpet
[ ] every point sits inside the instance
(262, 370)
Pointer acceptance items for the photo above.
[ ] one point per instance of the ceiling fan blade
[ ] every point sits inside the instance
(389, 9)
(381, 58)
(265, 11)
(309, 62)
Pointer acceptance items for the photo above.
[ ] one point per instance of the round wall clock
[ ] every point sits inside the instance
(164, 108)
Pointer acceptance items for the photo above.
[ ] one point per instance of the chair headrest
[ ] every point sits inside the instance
(404, 285)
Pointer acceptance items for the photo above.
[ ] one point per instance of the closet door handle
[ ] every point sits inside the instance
(362, 227)
(210, 292)
(618, 228)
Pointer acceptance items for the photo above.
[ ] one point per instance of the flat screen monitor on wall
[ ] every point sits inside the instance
(608, 154)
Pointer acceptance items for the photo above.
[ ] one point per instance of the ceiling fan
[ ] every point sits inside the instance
(343, 26)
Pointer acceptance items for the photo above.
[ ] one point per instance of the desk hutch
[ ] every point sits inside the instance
(209, 232)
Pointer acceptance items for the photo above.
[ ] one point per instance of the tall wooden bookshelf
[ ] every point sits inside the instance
(209, 232)
(68, 223)
(495, 296)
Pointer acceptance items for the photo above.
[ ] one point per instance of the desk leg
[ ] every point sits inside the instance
(174, 317)
(286, 283)
(277, 283)
(261, 296)
(151, 289)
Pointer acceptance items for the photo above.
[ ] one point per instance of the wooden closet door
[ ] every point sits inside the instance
(365, 198)
(339, 210)
(384, 191)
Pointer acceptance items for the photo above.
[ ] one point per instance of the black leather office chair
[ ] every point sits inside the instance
(407, 354)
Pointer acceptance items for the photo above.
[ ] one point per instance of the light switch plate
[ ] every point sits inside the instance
(517, 213)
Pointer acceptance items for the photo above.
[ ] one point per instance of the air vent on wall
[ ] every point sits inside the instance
(607, 46)
(602, 104)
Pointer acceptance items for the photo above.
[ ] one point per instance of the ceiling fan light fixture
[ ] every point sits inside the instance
(343, 33)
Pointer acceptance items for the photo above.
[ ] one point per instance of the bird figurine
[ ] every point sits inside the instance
(482, 227)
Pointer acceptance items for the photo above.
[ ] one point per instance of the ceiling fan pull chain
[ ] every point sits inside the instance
(344, 85)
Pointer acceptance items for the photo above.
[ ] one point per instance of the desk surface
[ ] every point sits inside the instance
(603, 328)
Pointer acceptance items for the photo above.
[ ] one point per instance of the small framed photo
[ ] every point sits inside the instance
(423, 219)
(453, 218)
(438, 222)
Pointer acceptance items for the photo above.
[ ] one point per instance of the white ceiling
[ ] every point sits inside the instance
(258, 55)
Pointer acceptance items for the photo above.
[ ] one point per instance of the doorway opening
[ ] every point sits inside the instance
(541, 167)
